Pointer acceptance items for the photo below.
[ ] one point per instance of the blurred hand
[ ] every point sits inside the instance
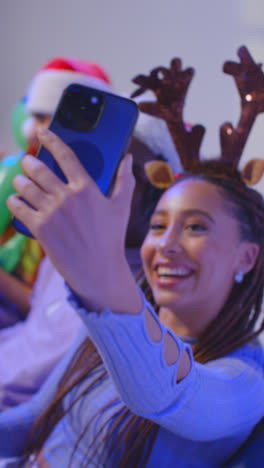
(81, 230)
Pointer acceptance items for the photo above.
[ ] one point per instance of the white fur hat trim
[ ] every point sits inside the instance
(154, 133)
(47, 86)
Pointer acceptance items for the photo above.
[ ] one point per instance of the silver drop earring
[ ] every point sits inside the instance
(239, 276)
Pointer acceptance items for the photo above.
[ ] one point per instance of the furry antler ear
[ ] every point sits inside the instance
(159, 174)
(253, 171)
(170, 87)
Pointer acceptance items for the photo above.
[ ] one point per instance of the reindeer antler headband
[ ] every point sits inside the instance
(170, 87)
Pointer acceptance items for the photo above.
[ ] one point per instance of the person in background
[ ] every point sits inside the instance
(34, 346)
(20, 256)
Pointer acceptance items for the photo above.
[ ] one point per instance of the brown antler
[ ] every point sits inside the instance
(170, 87)
(249, 80)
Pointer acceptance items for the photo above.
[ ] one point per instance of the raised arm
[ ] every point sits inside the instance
(81, 230)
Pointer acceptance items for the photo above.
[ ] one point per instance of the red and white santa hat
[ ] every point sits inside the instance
(154, 133)
(48, 84)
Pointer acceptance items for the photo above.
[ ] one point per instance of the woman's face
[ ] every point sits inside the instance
(192, 252)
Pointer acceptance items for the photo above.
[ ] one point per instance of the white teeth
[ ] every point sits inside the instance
(167, 271)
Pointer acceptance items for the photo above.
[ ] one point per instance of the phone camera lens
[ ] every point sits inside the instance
(94, 99)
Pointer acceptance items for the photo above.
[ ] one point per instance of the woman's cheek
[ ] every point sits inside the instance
(147, 252)
(199, 248)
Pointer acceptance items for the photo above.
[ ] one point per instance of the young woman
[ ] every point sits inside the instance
(179, 386)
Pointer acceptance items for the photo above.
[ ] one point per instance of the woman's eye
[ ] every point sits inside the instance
(156, 226)
(196, 227)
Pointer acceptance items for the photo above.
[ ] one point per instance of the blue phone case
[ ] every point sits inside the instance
(100, 148)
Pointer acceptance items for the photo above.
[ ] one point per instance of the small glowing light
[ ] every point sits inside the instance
(248, 97)
(229, 131)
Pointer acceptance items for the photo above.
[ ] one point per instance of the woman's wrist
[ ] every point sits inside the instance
(118, 292)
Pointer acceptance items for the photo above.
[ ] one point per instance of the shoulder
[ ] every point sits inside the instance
(243, 365)
(251, 353)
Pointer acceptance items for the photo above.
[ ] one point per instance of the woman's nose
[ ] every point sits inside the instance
(169, 244)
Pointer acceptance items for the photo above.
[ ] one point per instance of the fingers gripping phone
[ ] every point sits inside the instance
(97, 125)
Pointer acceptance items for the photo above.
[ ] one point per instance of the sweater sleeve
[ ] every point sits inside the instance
(220, 399)
(16, 422)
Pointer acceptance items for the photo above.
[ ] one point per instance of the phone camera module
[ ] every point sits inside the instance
(80, 109)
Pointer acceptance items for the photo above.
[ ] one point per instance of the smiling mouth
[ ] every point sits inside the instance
(168, 274)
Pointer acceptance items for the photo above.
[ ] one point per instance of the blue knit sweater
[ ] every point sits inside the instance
(202, 419)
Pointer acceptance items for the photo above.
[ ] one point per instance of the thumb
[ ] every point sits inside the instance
(125, 181)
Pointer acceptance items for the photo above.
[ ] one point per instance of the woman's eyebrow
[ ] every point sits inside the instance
(157, 212)
(200, 212)
(189, 212)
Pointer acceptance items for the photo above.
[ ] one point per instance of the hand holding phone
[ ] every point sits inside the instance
(82, 231)
(97, 126)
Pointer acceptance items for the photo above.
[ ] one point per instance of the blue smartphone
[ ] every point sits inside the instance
(98, 126)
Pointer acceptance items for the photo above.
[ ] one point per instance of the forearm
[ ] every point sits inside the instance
(122, 295)
(135, 349)
(189, 404)
(15, 291)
